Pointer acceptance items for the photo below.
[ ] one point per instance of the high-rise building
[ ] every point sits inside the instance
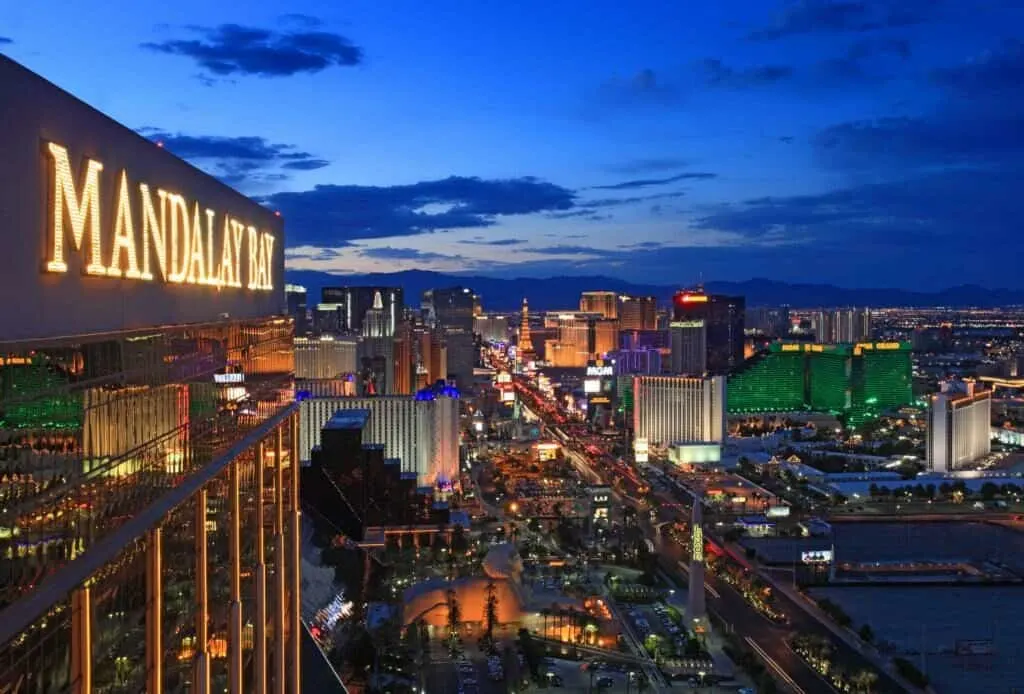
(841, 325)
(452, 311)
(638, 312)
(491, 328)
(432, 356)
(353, 303)
(582, 338)
(325, 357)
(422, 431)
(674, 409)
(858, 381)
(603, 303)
(295, 295)
(643, 362)
(404, 353)
(770, 321)
(151, 517)
(773, 381)
(723, 318)
(959, 427)
(689, 347)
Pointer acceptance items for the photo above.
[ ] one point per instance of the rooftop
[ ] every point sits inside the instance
(348, 419)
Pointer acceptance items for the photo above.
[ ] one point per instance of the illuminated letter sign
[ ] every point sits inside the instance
(181, 241)
(600, 370)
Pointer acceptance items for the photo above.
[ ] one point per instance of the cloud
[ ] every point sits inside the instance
(717, 74)
(651, 165)
(328, 214)
(5, 41)
(644, 88)
(392, 253)
(838, 16)
(978, 122)
(232, 49)
(994, 72)
(787, 139)
(873, 220)
(867, 59)
(236, 160)
(617, 202)
(496, 242)
(647, 182)
(563, 249)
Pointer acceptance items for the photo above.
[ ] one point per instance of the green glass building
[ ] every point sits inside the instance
(857, 381)
(829, 374)
(773, 381)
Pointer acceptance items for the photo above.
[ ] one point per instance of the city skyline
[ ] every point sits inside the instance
(539, 141)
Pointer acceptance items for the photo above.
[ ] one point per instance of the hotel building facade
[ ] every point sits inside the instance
(959, 428)
(422, 431)
(677, 409)
(148, 435)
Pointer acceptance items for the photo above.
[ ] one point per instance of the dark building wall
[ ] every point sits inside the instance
(41, 304)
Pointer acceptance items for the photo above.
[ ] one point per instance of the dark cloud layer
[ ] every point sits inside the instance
(496, 242)
(837, 16)
(645, 88)
(392, 253)
(232, 49)
(4, 40)
(238, 161)
(648, 182)
(328, 214)
(979, 122)
(718, 74)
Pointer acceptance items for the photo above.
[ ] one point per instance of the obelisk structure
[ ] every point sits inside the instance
(696, 611)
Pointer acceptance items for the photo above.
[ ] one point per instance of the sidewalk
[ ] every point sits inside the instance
(849, 638)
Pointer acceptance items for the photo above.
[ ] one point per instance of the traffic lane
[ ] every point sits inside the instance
(730, 607)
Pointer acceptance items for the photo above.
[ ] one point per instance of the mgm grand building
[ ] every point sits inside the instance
(149, 519)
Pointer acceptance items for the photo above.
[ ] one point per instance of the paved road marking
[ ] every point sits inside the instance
(774, 666)
(707, 585)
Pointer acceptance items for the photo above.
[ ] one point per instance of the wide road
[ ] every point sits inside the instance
(767, 639)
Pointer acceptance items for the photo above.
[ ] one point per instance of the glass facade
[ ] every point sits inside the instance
(859, 381)
(771, 382)
(829, 372)
(148, 531)
(883, 378)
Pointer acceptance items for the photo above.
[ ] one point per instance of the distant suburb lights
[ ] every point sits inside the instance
(192, 258)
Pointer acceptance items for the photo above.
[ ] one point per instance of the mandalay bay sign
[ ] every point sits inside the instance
(149, 235)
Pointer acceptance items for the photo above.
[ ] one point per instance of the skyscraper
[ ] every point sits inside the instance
(353, 303)
(638, 312)
(723, 318)
(959, 427)
(673, 409)
(601, 302)
(451, 310)
(151, 531)
(296, 296)
(841, 325)
(688, 339)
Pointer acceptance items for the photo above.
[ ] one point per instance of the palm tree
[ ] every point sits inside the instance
(491, 610)
(864, 681)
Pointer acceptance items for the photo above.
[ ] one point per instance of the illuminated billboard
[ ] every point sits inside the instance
(823, 556)
(104, 230)
(603, 370)
(592, 385)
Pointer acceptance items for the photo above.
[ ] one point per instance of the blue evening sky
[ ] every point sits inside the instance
(856, 142)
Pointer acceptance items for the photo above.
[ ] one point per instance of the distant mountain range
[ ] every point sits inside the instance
(551, 293)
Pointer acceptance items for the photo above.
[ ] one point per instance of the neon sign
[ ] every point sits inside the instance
(600, 370)
(179, 240)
